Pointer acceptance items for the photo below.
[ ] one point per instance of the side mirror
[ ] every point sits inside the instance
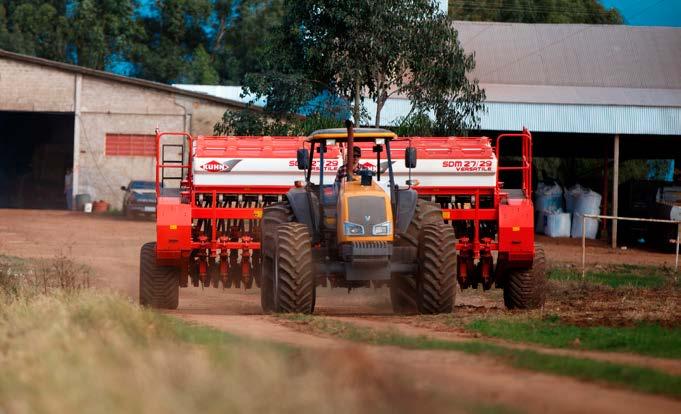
(124, 188)
(410, 157)
(303, 156)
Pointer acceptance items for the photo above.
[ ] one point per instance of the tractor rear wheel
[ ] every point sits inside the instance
(437, 268)
(526, 288)
(404, 294)
(159, 285)
(294, 282)
(273, 215)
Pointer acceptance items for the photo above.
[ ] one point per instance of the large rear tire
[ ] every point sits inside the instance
(437, 267)
(526, 288)
(159, 285)
(404, 294)
(294, 283)
(273, 215)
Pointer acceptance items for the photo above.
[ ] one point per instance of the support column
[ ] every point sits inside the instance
(615, 187)
(76, 136)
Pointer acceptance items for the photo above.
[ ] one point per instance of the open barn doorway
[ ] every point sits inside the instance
(37, 151)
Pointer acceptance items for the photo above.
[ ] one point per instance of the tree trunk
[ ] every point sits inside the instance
(356, 111)
(380, 103)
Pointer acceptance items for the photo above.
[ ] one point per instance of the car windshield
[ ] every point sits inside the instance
(142, 185)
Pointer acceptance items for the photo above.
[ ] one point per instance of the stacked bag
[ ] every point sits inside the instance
(553, 221)
(580, 201)
(548, 201)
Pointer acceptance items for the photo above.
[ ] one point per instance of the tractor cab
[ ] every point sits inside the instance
(350, 182)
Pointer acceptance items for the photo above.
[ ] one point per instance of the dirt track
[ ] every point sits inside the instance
(110, 246)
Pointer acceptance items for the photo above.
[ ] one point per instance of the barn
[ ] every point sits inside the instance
(55, 117)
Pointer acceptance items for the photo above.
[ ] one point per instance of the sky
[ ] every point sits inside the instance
(648, 12)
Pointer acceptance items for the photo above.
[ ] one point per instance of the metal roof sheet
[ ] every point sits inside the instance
(574, 54)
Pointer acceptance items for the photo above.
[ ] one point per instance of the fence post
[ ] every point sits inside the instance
(584, 246)
(678, 236)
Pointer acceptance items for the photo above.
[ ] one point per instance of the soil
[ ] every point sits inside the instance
(110, 247)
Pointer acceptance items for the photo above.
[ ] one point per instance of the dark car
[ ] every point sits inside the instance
(140, 198)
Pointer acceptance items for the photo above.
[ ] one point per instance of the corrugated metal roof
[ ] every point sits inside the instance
(588, 119)
(582, 95)
(574, 54)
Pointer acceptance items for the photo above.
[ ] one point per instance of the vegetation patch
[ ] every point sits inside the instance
(616, 276)
(632, 377)
(645, 338)
(72, 349)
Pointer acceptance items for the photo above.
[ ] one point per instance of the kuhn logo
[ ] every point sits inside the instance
(215, 166)
(369, 166)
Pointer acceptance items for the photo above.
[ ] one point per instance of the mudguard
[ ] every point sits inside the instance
(406, 206)
(301, 202)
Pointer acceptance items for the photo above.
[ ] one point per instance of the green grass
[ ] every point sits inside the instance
(616, 276)
(632, 377)
(645, 338)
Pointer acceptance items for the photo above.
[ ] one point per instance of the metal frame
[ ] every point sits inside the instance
(615, 218)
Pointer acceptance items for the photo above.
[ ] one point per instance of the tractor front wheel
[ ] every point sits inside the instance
(437, 268)
(294, 283)
(159, 285)
(526, 288)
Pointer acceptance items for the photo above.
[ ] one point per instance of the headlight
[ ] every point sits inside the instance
(382, 229)
(352, 229)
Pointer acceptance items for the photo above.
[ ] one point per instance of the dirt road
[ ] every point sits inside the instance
(110, 246)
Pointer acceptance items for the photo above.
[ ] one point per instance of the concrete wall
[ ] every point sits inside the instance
(105, 106)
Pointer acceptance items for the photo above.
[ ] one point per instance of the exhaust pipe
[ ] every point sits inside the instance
(349, 124)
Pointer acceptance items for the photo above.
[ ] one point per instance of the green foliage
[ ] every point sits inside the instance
(167, 39)
(355, 49)
(632, 377)
(418, 124)
(534, 11)
(247, 122)
(617, 276)
(645, 338)
(86, 32)
(34, 28)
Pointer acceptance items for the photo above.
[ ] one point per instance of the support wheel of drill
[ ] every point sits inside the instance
(526, 288)
(437, 268)
(294, 279)
(159, 285)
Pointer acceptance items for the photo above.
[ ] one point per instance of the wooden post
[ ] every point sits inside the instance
(615, 188)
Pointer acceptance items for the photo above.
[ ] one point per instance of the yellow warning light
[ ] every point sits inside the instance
(446, 215)
(173, 227)
(516, 228)
(257, 213)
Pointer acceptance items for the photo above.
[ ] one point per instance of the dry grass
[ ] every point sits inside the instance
(69, 349)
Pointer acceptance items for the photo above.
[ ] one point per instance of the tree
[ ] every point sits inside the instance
(101, 31)
(35, 28)
(164, 46)
(534, 11)
(370, 48)
(242, 39)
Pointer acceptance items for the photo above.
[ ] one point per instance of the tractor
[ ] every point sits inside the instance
(269, 212)
(356, 231)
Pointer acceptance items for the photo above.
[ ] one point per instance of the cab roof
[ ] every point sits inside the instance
(361, 134)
